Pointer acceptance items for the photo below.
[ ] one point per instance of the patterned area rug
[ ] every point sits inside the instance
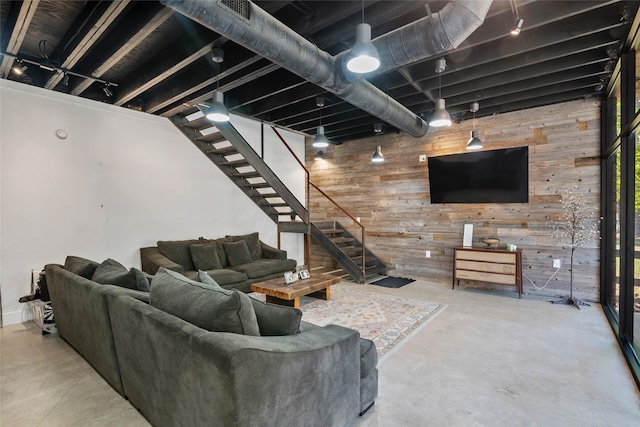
(386, 320)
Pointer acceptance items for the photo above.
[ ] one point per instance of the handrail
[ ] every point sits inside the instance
(309, 183)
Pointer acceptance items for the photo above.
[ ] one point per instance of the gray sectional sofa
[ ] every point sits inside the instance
(190, 353)
(234, 262)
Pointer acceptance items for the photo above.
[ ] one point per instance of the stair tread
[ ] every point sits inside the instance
(237, 163)
(341, 239)
(224, 150)
(255, 184)
(267, 195)
(252, 174)
(212, 137)
(332, 230)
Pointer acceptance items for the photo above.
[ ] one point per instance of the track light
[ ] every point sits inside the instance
(320, 141)
(517, 26)
(377, 156)
(319, 156)
(440, 116)
(19, 68)
(517, 21)
(107, 91)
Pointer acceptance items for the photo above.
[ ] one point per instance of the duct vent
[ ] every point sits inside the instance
(239, 7)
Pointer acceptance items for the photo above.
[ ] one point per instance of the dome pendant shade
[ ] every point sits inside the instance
(377, 156)
(440, 116)
(363, 56)
(320, 141)
(474, 142)
(217, 112)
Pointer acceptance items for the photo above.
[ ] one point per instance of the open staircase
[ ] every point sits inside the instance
(225, 147)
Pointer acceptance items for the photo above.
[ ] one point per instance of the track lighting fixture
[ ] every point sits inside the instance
(440, 116)
(19, 68)
(107, 91)
(517, 21)
(319, 156)
(363, 56)
(474, 142)
(320, 141)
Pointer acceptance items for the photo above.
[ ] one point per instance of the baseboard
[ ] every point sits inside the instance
(14, 317)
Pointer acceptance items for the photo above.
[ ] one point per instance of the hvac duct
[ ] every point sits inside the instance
(251, 27)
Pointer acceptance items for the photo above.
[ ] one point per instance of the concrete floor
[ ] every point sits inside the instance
(488, 359)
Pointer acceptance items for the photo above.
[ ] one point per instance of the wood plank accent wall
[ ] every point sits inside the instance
(392, 198)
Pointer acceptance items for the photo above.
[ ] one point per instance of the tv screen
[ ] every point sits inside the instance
(495, 176)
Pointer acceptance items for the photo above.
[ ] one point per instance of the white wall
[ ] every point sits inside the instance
(121, 180)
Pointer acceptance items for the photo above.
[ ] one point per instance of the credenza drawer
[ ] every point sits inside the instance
(486, 256)
(486, 266)
(502, 279)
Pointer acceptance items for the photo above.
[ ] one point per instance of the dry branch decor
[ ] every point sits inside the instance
(579, 227)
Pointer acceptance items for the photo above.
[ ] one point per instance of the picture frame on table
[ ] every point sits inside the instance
(304, 274)
(290, 277)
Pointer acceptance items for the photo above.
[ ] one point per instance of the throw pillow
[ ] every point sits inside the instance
(207, 280)
(109, 274)
(205, 256)
(276, 320)
(273, 320)
(207, 307)
(253, 244)
(80, 266)
(237, 252)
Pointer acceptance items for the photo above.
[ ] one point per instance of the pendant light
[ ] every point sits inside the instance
(377, 155)
(216, 111)
(517, 21)
(474, 142)
(363, 56)
(440, 116)
(320, 141)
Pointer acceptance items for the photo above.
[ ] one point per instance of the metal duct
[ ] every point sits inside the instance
(263, 34)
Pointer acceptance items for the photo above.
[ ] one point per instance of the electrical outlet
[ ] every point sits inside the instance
(423, 157)
(428, 254)
(557, 263)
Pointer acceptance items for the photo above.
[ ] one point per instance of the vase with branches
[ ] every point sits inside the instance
(578, 228)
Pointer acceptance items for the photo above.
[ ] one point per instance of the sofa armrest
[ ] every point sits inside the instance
(151, 260)
(179, 374)
(269, 252)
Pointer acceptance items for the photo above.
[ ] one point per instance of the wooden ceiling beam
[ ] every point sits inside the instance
(23, 21)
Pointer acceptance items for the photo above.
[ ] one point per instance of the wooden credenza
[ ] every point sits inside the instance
(488, 265)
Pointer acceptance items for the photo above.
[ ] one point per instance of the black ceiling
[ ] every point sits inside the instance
(160, 61)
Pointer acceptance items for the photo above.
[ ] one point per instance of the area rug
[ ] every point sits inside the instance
(386, 320)
(392, 282)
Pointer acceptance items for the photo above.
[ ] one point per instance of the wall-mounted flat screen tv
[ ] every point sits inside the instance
(494, 176)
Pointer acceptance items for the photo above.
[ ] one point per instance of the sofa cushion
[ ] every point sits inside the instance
(253, 244)
(205, 256)
(276, 320)
(178, 251)
(368, 357)
(80, 266)
(238, 252)
(273, 319)
(222, 255)
(226, 276)
(266, 267)
(109, 274)
(205, 306)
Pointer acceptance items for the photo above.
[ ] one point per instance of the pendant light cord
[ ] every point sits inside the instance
(363, 11)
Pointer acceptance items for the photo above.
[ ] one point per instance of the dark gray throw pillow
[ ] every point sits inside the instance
(276, 320)
(253, 244)
(208, 307)
(205, 256)
(109, 274)
(237, 252)
(273, 320)
(81, 266)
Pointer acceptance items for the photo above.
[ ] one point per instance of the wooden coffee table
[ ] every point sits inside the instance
(278, 292)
